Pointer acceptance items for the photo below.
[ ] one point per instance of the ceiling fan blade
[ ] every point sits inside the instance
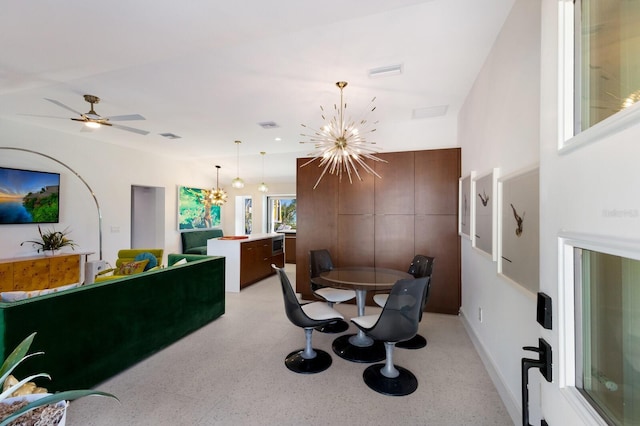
(84, 120)
(130, 129)
(60, 104)
(129, 117)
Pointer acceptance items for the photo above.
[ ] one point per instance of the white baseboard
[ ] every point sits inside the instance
(511, 402)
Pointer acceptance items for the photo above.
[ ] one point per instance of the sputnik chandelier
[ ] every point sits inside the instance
(217, 195)
(341, 145)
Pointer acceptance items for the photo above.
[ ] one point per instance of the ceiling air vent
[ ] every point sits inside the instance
(170, 135)
(429, 112)
(268, 125)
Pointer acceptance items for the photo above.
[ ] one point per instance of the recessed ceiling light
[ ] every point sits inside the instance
(278, 139)
(385, 71)
(429, 112)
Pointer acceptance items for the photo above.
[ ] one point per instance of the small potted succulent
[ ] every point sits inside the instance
(51, 241)
(33, 411)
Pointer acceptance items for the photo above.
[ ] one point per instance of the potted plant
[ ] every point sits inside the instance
(59, 400)
(51, 240)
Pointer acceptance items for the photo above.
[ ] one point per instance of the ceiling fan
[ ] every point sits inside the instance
(93, 120)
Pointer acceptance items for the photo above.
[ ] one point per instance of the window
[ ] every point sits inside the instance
(607, 289)
(607, 65)
(281, 213)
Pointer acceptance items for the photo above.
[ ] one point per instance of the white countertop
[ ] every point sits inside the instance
(251, 237)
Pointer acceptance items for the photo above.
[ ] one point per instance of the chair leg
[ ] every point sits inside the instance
(389, 379)
(389, 370)
(308, 360)
(308, 352)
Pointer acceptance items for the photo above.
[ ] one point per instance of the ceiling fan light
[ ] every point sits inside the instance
(92, 125)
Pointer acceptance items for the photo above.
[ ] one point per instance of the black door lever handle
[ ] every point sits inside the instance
(543, 363)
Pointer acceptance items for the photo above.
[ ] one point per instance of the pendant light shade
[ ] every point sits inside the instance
(237, 182)
(263, 186)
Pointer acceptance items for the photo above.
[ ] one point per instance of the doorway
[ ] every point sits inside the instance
(147, 217)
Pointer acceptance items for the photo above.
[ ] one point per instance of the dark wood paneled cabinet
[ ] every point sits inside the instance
(256, 259)
(412, 209)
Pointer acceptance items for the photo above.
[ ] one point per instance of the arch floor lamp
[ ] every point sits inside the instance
(78, 176)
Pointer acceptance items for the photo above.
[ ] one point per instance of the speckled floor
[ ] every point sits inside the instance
(231, 372)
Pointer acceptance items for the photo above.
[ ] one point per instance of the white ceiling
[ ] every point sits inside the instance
(210, 71)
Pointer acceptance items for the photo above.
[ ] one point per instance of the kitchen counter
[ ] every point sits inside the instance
(248, 260)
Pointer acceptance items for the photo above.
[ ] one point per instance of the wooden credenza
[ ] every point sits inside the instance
(39, 272)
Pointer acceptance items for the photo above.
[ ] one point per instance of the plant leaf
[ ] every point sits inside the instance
(17, 355)
(52, 399)
(12, 389)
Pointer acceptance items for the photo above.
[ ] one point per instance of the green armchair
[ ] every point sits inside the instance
(131, 261)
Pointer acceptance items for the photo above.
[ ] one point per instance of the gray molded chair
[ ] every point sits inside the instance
(421, 266)
(398, 321)
(308, 316)
(320, 261)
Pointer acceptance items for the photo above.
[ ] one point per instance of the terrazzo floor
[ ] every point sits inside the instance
(231, 372)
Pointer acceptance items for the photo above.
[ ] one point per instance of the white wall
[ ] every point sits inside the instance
(110, 171)
(499, 127)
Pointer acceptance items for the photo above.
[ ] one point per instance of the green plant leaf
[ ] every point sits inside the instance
(52, 399)
(16, 356)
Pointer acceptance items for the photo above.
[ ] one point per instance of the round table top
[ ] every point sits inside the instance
(363, 277)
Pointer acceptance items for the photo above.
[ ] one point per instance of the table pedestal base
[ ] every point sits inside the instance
(343, 347)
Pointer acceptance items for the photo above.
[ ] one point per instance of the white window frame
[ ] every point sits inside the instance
(568, 140)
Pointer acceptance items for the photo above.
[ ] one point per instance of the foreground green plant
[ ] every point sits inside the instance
(16, 357)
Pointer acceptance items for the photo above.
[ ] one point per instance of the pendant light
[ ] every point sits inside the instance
(340, 144)
(237, 182)
(218, 196)
(263, 186)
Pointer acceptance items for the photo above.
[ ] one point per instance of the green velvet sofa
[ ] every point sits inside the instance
(195, 242)
(90, 333)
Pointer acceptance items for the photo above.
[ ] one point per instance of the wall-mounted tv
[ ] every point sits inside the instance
(29, 196)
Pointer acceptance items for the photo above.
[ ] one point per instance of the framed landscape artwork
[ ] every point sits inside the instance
(195, 210)
(485, 219)
(519, 228)
(465, 204)
(29, 196)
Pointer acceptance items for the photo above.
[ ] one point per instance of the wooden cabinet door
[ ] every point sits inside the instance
(357, 197)
(64, 270)
(264, 259)
(437, 236)
(394, 243)
(436, 179)
(355, 241)
(248, 261)
(31, 274)
(6, 276)
(290, 249)
(317, 224)
(394, 192)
